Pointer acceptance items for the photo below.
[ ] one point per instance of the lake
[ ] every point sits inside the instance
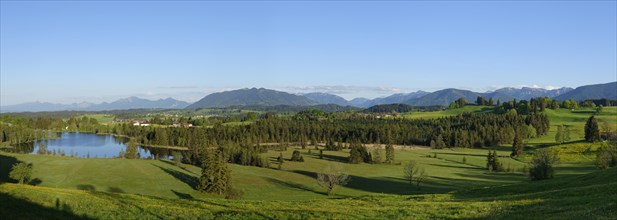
(89, 145)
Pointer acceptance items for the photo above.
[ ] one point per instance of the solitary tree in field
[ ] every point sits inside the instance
(295, 156)
(542, 164)
(21, 172)
(562, 135)
(215, 175)
(493, 163)
(410, 170)
(331, 178)
(592, 132)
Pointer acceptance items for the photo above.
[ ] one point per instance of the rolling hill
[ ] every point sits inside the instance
(254, 96)
(597, 91)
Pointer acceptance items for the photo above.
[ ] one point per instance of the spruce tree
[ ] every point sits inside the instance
(389, 153)
(215, 175)
(489, 161)
(517, 144)
(497, 165)
(377, 155)
(592, 131)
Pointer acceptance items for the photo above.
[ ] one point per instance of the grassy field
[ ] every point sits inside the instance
(589, 196)
(296, 180)
(448, 112)
(154, 188)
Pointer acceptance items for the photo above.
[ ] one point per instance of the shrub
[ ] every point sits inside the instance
(542, 165)
(295, 156)
(606, 156)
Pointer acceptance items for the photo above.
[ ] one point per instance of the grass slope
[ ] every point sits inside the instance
(590, 196)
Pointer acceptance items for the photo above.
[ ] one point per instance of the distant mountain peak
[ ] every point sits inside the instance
(253, 96)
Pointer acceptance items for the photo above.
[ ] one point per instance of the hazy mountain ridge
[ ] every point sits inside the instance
(528, 92)
(267, 97)
(126, 103)
(395, 98)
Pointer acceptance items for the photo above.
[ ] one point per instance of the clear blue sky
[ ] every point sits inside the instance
(99, 51)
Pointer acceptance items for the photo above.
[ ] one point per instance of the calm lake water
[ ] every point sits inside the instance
(87, 144)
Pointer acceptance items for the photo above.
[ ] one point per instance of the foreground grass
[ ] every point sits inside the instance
(589, 196)
(295, 181)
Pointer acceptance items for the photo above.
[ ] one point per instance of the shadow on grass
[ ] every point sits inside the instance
(461, 167)
(294, 185)
(86, 187)
(112, 189)
(35, 182)
(341, 159)
(6, 164)
(185, 178)
(496, 177)
(386, 185)
(547, 145)
(15, 208)
(180, 165)
(182, 195)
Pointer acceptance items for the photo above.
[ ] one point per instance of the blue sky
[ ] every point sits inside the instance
(99, 51)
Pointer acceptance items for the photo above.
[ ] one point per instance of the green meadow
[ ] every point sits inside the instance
(458, 184)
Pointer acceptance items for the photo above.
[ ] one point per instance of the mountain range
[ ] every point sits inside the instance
(268, 97)
(126, 103)
(607, 90)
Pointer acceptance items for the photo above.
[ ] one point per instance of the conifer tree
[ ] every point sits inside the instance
(517, 144)
(592, 131)
(215, 175)
(389, 153)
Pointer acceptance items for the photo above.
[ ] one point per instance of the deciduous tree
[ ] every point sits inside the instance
(331, 178)
(21, 172)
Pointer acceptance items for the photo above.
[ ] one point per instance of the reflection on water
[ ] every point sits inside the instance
(88, 145)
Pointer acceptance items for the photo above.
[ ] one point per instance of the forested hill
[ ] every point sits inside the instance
(447, 96)
(388, 108)
(597, 91)
(254, 96)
